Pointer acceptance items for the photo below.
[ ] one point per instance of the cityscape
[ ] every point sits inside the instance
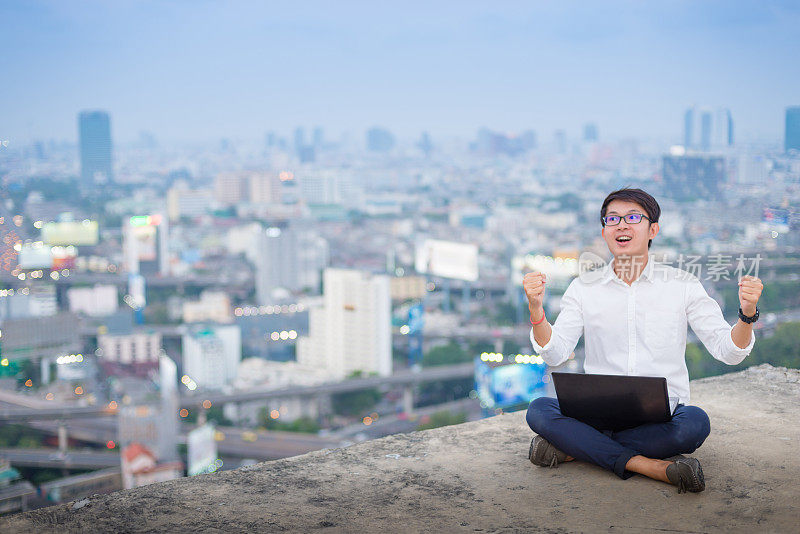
(171, 308)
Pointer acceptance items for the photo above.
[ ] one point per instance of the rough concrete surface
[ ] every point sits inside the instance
(476, 477)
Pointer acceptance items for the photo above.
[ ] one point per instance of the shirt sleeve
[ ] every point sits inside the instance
(705, 318)
(566, 331)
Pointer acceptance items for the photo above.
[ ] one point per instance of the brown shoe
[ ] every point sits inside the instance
(687, 474)
(542, 453)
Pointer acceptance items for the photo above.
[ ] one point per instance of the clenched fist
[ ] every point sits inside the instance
(749, 291)
(533, 283)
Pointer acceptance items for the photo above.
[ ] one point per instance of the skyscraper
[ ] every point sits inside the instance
(94, 132)
(379, 140)
(688, 128)
(706, 130)
(290, 258)
(590, 133)
(352, 330)
(792, 137)
(693, 177)
(211, 354)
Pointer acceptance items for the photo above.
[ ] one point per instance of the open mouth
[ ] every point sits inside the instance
(623, 239)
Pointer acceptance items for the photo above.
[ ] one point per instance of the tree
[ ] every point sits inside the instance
(440, 419)
(781, 349)
(303, 424)
(446, 355)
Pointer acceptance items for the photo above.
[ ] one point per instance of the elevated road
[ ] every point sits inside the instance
(405, 378)
(10, 415)
(52, 458)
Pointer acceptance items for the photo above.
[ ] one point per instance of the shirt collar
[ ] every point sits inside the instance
(647, 274)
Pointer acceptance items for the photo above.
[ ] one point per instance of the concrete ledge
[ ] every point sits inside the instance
(476, 477)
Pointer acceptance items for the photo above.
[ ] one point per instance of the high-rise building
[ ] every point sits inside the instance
(693, 177)
(299, 139)
(95, 301)
(379, 140)
(560, 138)
(27, 302)
(264, 187)
(351, 331)
(706, 130)
(590, 133)
(329, 187)
(213, 306)
(688, 128)
(94, 132)
(290, 258)
(319, 138)
(211, 354)
(792, 132)
(141, 348)
(491, 143)
(145, 244)
(425, 144)
(276, 267)
(185, 202)
(231, 187)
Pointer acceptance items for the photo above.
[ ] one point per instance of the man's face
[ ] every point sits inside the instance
(628, 239)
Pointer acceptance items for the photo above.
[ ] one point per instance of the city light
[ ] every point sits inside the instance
(253, 311)
(110, 444)
(184, 412)
(78, 390)
(188, 382)
(367, 420)
(206, 404)
(275, 414)
(4, 362)
(29, 383)
(72, 358)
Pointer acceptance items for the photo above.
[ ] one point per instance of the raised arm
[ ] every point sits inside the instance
(727, 344)
(554, 343)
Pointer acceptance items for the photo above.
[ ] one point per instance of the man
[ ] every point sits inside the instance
(633, 319)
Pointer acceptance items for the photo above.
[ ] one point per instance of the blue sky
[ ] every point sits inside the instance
(203, 70)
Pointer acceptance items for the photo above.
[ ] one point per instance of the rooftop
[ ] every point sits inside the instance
(476, 477)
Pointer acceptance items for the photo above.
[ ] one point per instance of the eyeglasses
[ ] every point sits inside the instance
(631, 218)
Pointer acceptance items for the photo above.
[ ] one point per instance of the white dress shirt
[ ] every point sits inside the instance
(640, 329)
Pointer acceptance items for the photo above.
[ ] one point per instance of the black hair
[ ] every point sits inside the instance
(644, 199)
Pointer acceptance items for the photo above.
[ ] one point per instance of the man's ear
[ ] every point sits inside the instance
(654, 228)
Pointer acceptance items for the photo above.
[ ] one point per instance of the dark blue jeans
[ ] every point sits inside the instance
(687, 430)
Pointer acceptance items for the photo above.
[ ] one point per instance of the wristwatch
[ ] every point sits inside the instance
(746, 319)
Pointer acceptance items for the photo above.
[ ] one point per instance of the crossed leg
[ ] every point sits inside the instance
(636, 450)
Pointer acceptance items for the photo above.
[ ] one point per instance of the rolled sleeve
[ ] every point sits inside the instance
(566, 330)
(539, 349)
(734, 355)
(705, 318)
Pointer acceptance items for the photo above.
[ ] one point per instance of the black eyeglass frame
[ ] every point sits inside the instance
(605, 223)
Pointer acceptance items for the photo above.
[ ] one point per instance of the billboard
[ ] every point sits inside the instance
(146, 242)
(448, 259)
(35, 256)
(560, 268)
(71, 233)
(202, 450)
(502, 384)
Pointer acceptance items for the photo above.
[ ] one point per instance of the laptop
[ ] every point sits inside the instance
(614, 402)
